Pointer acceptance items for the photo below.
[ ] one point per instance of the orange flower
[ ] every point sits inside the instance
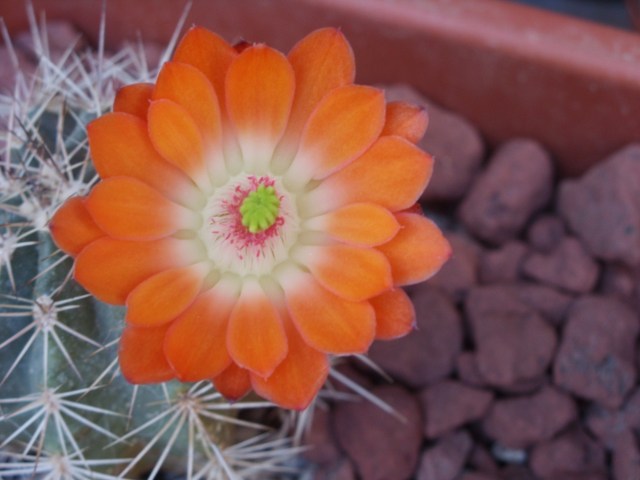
(254, 215)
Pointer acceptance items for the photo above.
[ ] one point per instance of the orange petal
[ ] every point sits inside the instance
(406, 120)
(259, 87)
(392, 173)
(141, 357)
(72, 228)
(322, 61)
(196, 343)
(110, 269)
(344, 124)
(161, 298)
(353, 273)
(209, 53)
(127, 209)
(120, 146)
(234, 382)
(326, 322)
(255, 338)
(134, 99)
(418, 250)
(395, 315)
(296, 381)
(189, 87)
(363, 224)
(176, 136)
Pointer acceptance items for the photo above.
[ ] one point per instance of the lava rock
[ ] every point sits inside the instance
(467, 369)
(609, 425)
(596, 359)
(568, 267)
(573, 452)
(523, 421)
(481, 460)
(341, 469)
(626, 458)
(548, 302)
(319, 440)
(478, 476)
(502, 264)
(545, 233)
(448, 405)
(517, 183)
(380, 445)
(602, 207)
(429, 353)
(460, 273)
(513, 342)
(445, 460)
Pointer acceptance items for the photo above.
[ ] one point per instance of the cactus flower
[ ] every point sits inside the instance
(255, 215)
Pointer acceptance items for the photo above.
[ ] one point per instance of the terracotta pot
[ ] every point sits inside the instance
(511, 69)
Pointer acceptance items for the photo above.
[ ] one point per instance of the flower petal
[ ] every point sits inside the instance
(209, 53)
(418, 250)
(162, 297)
(353, 273)
(72, 228)
(110, 269)
(189, 87)
(134, 99)
(296, 381)
(363, 224)
(234, 382)
(176, 136)
(120, 146)
(322, 61)
(344, 124)
(141, 357)
(127, 209)
(395, 315)
(259, 87)
(406, 120)
(392, 173)
(196, 343)
(255, 337)
(326, 322)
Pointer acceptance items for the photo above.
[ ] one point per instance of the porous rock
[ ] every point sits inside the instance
(380, 445)
(445, 460)
(513, 342)
(603, 207)
(449, 404)
(429, 353)
(596, 358)
(568, 267)
(523, 421)
(502, 264)
(517, 183)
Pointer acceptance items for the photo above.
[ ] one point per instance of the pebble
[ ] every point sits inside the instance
(596, 358)
(521, 422)
(380, 445)
(445, 460)
(601, 207)
(517, 183)
(449, 404)
(429, 353)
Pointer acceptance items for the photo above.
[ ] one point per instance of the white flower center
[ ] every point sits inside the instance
(231, 246)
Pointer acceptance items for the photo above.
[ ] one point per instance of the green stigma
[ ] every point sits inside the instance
(260, 209)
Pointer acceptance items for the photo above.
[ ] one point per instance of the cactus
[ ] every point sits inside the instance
(65, 412)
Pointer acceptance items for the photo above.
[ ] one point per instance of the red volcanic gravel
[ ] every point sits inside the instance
(525, 359)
